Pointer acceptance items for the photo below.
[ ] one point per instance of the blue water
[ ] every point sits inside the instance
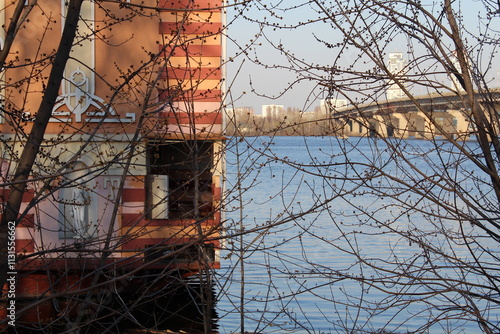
(303, 208)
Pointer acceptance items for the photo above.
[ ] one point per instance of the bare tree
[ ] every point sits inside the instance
(398, 229)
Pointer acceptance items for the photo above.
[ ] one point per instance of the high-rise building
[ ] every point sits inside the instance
(397, 68)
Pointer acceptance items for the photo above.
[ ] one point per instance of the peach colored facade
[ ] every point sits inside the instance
(144, 83)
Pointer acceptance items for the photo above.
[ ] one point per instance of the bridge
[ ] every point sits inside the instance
(424, 117)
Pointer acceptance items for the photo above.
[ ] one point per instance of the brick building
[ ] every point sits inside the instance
(127, 184)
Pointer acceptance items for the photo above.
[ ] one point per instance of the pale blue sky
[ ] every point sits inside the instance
(268, 80)
(272, 81)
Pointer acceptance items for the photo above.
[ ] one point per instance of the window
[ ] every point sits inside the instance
(179, 182)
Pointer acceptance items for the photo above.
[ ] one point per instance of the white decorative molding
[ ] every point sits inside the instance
(78, 96)
(78, 89)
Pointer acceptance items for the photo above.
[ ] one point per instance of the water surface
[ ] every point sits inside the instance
(301, 263)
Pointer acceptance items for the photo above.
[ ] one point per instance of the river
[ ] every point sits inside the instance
(303, 275)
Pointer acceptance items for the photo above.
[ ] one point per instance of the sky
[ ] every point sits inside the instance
(248, 80)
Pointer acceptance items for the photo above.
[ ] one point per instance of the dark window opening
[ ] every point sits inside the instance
(180, 179)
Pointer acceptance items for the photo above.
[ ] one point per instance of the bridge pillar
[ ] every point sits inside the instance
(460, 123)
(401, 129)
(429, 129)
(379, 125)
(419, 126)
(357, 127)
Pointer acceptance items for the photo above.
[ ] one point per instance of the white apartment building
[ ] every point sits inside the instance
(272, 110)
(397, 67)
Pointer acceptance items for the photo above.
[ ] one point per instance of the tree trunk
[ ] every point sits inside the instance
(30, 151)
